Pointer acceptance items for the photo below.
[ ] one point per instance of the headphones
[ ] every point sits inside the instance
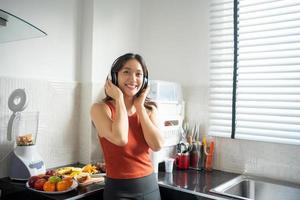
(114, 79)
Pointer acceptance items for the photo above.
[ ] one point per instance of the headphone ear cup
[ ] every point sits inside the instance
(145, 83)
(114, 78)
(144, 86)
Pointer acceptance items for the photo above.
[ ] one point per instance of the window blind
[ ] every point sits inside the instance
(268, 92)
(268, 70)
(221, 63)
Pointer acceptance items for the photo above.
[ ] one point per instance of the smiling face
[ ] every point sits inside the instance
(130, 77)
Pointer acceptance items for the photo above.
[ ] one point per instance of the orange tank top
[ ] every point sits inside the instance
(131, 160)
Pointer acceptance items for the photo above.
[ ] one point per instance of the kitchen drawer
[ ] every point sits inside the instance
(171, 194)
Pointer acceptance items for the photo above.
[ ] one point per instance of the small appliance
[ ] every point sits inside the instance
(23, 127)
(169, 99)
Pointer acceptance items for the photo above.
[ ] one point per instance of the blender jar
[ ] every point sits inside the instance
(25, 128)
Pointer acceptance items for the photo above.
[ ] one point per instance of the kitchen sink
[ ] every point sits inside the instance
(257, 188)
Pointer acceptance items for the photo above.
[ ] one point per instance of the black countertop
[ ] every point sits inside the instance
(195, 182)
(188, 181)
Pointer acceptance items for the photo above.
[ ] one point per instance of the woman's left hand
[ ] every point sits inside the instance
(140, 100)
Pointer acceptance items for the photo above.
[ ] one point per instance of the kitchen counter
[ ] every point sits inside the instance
(185, 183)
(193, 183)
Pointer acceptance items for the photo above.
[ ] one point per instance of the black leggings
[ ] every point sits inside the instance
(144, 188)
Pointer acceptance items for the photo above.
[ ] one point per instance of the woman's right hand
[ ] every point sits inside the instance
(112, 90)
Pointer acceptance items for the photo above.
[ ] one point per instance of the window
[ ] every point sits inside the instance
(255, 70)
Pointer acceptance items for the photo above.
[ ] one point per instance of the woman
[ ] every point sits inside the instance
(127, 126)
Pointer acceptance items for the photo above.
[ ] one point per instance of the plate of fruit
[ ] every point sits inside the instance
(51, 184)
(95, 170)
(88, 174)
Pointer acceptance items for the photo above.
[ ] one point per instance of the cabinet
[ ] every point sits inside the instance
(13, 28)
(171, 194)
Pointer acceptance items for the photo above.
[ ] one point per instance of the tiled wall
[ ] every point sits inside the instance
(278, 161)
(59, 106)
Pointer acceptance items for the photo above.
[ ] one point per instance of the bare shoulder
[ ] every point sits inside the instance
(99, 109)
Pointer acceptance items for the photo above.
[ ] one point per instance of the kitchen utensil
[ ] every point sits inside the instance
(183, 160)
(185, 129)
(195, 155)
(182, 147)
(209, 156)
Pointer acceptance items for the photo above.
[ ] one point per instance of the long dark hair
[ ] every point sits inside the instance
(117, 66)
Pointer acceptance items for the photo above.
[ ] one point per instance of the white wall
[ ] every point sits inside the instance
(174, 40)
(116, 32)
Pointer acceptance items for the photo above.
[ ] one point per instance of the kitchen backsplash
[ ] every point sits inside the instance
(278, 161)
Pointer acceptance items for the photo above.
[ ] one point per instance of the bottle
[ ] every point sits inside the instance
(209, 156)
(195, 155)
(202, 154)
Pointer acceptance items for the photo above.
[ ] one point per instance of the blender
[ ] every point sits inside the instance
(23, 126)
